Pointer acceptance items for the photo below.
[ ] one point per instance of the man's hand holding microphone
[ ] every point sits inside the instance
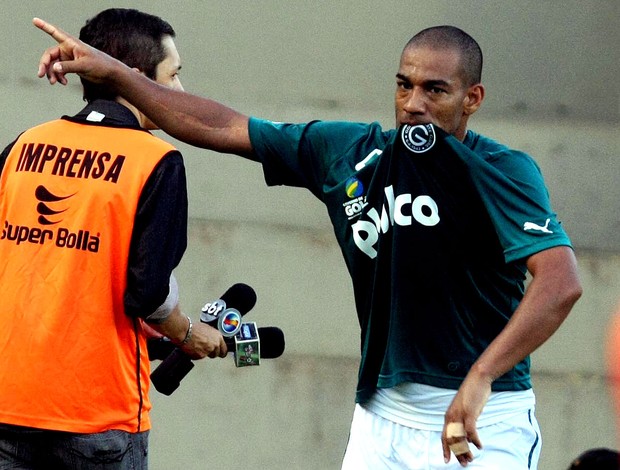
(220, 330)
(196, 339)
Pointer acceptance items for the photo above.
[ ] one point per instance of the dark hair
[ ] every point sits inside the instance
(597, 459)
(451, 37)
(131, 36)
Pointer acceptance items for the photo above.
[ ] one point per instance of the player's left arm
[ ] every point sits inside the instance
(550, 296)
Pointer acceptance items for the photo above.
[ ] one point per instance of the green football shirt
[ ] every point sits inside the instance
(434, 232)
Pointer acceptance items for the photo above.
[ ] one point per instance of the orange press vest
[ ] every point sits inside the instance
(70, 358)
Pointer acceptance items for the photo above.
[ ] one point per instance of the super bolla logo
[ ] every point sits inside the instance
(50, 208)
(61, 237)
(401, 210)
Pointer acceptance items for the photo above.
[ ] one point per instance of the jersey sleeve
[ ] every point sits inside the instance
(513, 190)
(304, 155)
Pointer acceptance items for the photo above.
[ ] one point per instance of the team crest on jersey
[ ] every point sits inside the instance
(419, 138)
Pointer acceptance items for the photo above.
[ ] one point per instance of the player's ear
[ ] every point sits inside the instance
(473, 98)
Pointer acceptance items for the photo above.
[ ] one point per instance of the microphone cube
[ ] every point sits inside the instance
(247, 346)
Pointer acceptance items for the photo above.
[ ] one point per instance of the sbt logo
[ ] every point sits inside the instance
(401, 210)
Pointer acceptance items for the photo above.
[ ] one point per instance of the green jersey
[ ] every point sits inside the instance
(435, 234)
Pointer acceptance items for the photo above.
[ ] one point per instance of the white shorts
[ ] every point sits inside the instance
(376, 443)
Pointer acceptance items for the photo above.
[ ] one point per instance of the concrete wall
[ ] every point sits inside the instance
(550, 72)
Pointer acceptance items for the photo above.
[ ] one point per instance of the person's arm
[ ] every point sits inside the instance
(196, 339)
(550, 296)
(197, 121)
(158, 242)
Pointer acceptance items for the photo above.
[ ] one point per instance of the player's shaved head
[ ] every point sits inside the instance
(453, 38)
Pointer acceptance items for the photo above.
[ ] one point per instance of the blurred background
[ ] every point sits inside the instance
(551, 72)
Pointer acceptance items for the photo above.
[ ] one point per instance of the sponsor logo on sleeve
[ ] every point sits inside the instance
(539, 228)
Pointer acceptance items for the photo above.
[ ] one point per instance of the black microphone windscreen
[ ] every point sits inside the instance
(271, 342)
(240, 296)
(159, 348)
(167, 376)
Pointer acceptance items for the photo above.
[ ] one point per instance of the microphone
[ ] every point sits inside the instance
(248, 348)
(227, 319)
(252, 343)
(271, 341)
(167, 376)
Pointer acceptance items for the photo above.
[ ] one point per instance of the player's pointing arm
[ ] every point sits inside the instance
(70, 55)
(197, 121)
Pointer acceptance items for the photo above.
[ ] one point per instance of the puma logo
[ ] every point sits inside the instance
(533, 226)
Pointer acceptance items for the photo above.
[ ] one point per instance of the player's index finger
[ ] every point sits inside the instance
(58, 34)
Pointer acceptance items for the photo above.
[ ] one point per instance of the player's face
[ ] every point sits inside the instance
(429, 89)
(167, 71)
